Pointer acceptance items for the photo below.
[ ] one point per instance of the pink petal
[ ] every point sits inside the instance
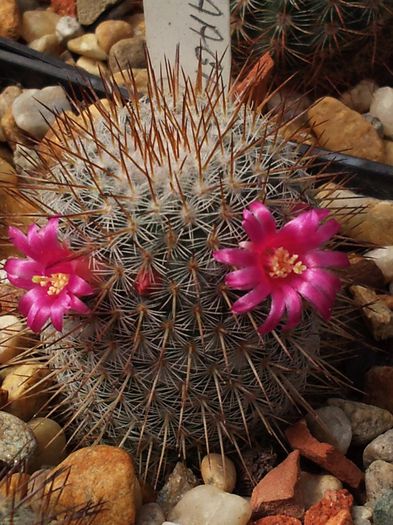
(79, 286)
(325, 258)
(49, 233)
(317, 298)
(19, 240)
(78, 306)
(36, 296)
(327, 230)
(330, 284)
(234, 257)
(21, 271)
(244, 279)
(57, 312)
(251, 299)
(253, 228)
(37, 317)
(264, 216)
(275, 314)
(293, 304)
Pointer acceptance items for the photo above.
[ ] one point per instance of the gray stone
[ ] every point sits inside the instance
(367, 421)
(67, 28)
(378, 479)
(129, 52)
(17, 441)
(376, 123)
(380, 448)
(361, 515)
(180, 481)
(88, 10)
(313, 487)
(331, 425)
(34, 110)
(383, 511)
(150, 514)
(382, 108)
(360, 96)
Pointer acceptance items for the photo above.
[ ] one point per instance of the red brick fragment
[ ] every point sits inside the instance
(64, 7)
(280, 519)
(330, 506)
(253, 88)
(323, 454)
(276, 492)
(342, 518)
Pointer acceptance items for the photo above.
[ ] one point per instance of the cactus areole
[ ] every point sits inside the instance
(160, 195)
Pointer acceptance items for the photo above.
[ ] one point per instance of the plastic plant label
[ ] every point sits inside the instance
(200, 29)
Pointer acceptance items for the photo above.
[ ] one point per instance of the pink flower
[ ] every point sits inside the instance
(286, 264)
(53, 276)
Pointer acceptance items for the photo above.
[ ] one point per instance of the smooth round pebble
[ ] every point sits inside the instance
(367, 421)
(110, 32)
(13, 337)
(383, 511)
(378, 479)
(94, 67)
(17, 441)
(51, 443)
(332, 426)
(208, 505)
(218, 471)
(48, 44)
(359, 97)
(361, 515)
(87, 46)
(38, 23)
(126, 53)
(382, 108)
(383, 258)
(67, 28)
(7, 96)
(376, 123)
(313, 487)
(34, 109)
(150, 514)
(380, 448)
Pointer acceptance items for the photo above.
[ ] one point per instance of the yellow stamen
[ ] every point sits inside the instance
(282, 264)
(56, 282)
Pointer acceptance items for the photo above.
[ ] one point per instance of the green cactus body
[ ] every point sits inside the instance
(301, 33)
(151, 189)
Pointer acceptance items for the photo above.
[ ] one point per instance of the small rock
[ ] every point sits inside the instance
(380, 448)
(218, 471)
(150, 514)
(362, 271)
(388, 152)
(14, 486)
(359, 97)
(87, 46)
(28, 5)
(36, 24)
(361, 515)
(14, 338)
(208, 505)
(377, 314)
(25, 159)
(51, 443)
(110, 32)
(68, 28)
(382, 108)
(122, 78)
(372, 222)
(279, 519)
(378, 479)
(342, 518)
(329, 507)
(376, 123)
(26, 387)
(7, 96)
(314, 487)
(379, 387)
(94, 67)
(277, 492)
(323, 454)
(17, 441)
(180, 481)
(48, 44)
(290, 105)
(339, 128)
(89, 11)
(64, 7)
(383, 258)
(331, 425)
(13, 134)
(367, 421)
(137, 22)
(10, 19)
(383, 510)
(96, 475)
(127, 53)
(35, 109)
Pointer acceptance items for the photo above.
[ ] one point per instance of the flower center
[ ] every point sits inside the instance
(56, 282)
(282, 263)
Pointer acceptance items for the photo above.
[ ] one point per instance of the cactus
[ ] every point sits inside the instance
(150, 189)
(306, 35)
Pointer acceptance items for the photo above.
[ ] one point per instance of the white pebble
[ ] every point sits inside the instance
(382, 107)
(383, 258)
(218, 471)
(68, 27)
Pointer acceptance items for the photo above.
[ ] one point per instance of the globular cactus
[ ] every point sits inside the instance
(149, 189)
(307, 34)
